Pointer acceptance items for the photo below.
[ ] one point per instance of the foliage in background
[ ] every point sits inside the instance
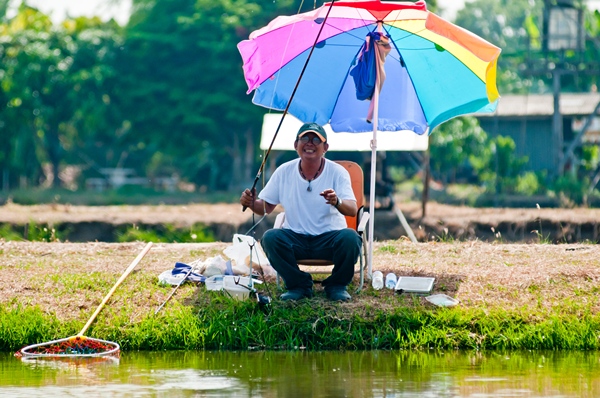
(8, 233)
(196, 95)
(516, 26)
(165, 96)
(454, 146)
(499, 167)
(167, 233)
(127, 195)
(32, 232)
(56, 83)
(571, 189)
(590, 157)
(529, 183)
(460, 146)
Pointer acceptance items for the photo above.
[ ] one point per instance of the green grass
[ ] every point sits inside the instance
(445, 236)
(216, 322)
(32, 232)
(72, 283)
(555, 311)
(127, 195)
(166, 233)
(387, 249)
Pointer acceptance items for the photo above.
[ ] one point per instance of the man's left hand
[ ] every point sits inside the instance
(330, 196)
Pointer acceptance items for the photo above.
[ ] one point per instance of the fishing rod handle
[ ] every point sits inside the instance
(252, 190)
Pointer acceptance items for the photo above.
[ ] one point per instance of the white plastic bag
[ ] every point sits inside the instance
(242, 249)
(167, 278)
(214, 266)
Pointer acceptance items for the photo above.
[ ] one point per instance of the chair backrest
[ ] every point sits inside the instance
(357, 180)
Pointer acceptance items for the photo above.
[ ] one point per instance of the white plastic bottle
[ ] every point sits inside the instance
(390, 280)
(377, 280)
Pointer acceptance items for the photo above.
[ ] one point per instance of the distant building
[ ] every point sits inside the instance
(528, 120)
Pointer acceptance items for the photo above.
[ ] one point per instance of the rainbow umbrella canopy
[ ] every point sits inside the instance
(365, 66)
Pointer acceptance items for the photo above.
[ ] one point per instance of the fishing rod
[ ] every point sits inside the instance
(262, 165)
(174, 290)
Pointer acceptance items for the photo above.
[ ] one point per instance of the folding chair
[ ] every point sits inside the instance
(357, 222)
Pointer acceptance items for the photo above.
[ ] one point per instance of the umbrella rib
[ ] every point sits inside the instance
(348, 33)
(409, 34)
(325, 23)
(341, 32)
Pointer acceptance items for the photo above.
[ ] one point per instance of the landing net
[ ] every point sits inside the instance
(76, 346)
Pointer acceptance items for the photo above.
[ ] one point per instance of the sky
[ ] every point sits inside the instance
(119, 9)
(59, 9)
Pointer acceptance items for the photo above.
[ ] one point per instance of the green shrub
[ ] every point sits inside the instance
(167, 233)
(8, 233)
(571, 190)
(528, 183)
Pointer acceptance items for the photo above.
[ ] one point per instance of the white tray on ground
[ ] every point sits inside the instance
(442, 300)
(414, 284)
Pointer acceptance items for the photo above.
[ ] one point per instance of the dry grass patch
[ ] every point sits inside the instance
(71, 279)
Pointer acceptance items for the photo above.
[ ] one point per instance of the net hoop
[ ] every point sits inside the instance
(67, 348)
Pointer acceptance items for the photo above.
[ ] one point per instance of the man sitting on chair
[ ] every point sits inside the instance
(316, 194)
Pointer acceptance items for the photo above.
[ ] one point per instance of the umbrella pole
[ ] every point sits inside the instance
(373, 175)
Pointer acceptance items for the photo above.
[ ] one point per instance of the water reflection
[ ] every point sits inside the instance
(304, 374)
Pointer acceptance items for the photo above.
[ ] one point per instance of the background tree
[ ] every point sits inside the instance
(183, 88)
(52, 84)
(453, 145)
(497, 166)
(165, 95)
(516, 26)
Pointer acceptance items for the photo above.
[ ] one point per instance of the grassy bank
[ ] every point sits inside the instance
(511, 297)
(232, 325)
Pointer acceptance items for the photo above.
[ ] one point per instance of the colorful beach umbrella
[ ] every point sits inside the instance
(386, 66)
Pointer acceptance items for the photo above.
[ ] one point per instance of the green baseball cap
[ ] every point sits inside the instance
(312, 128)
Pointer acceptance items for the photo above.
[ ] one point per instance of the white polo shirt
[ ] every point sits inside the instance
(306, 212)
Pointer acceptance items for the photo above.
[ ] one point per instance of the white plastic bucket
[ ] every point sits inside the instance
(237, 281)
(214, 282)
(238, 292)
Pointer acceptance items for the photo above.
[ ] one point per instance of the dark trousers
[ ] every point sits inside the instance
(284, 248)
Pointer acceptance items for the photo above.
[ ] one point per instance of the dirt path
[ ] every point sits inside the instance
(458, 222)
(186, 215)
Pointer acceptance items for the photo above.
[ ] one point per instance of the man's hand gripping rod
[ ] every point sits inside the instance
(253, 189)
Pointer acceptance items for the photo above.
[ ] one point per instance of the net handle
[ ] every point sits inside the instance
(121, 279)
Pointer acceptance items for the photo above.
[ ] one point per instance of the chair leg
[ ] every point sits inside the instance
(362, 277)
(363, 261)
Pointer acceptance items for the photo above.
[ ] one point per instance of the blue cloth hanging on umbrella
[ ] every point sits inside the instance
(365, 71)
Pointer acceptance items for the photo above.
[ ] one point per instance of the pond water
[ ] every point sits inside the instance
(307, 374)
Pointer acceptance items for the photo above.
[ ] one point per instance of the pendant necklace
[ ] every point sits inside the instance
(309, 189)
